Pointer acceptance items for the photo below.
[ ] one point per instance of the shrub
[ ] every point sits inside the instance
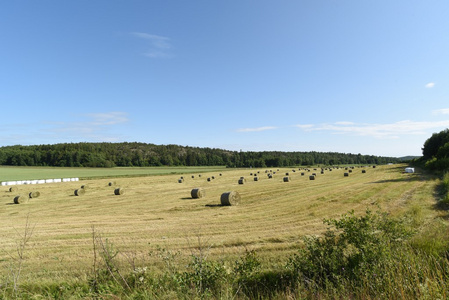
(205, 277)
(350, 250)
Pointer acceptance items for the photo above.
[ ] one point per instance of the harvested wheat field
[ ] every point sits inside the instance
(159, 212)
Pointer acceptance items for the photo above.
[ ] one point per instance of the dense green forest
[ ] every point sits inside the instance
(436, 152)
(143, 155)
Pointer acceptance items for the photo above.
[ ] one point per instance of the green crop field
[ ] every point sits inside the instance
(31, 173)
(158, 212)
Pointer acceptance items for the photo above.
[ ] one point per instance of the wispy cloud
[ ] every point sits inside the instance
(392, 130)
(90, 127)
(305, 126)
(98, 127)
(256, 129)
(109, 118)
(430, 85)
(159, 46)
(443, 111)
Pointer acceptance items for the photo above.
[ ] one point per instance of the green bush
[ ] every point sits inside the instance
(350, 250)
(204, 277)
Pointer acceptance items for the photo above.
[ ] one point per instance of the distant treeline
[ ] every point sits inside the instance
(144, 155)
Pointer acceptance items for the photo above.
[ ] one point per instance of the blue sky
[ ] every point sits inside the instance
(369, 77)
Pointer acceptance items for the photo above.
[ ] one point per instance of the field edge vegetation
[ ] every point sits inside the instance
(369, 256)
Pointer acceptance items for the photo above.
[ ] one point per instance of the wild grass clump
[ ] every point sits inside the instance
(445, 188)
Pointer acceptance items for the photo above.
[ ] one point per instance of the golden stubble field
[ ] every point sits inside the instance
(157, 211)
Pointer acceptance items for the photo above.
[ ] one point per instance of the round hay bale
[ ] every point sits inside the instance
(230, 198)
(119, 191)
(350, 171)
(84, 187)
(197, 193)
(180, 180)
(111, 183)
(20, 199)
(213, 177)
(312, 177)
(346, 174)
(221, 174)
(208, 179)
(363, 171)
(270, 175)
(302, 173)
(35, 194)
(80, 192)
(286, 174)
(374, 167)
(256, 178)
(193, 176)
(182, 177)
(286, 179)
(241, 181)
(13, 189)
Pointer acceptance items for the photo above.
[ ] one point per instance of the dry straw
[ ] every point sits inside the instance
(197, 193)
(20, 199)
(230, 198)
(35, 194)
(119, 191)
(80, 192)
